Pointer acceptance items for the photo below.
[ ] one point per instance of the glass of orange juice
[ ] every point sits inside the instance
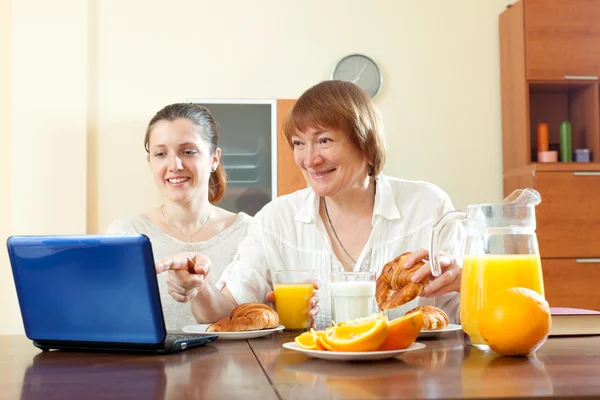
(293, 291)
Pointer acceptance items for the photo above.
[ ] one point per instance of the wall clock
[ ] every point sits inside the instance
(359, 69)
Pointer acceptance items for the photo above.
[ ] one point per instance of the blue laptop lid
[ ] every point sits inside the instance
(91, 288)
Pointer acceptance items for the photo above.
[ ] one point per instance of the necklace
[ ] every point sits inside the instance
(185, 233)
(334, 232)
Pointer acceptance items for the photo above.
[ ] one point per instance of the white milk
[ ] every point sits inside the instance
(351, 300)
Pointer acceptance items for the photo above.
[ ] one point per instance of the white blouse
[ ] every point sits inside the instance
(288, 233)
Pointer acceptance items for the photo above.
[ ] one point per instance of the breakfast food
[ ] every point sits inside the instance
(394, 285)
(374, 333)
(433, 317)
(247, 317)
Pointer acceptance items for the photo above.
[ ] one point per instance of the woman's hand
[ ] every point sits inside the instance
(448, 281)
(187, 274)
(313, 303)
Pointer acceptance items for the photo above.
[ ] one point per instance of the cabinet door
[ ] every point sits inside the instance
(562, 38)
(568, 218)
(289, 176)
(572, 282)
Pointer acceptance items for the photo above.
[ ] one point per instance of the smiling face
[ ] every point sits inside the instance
(180, 160)
(329, 161)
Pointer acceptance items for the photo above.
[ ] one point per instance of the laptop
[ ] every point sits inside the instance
(92, 293)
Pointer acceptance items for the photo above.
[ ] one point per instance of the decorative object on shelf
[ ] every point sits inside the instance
(582, 155)
(566, 154)
(547, 156)
(542, 137)
(359, 69)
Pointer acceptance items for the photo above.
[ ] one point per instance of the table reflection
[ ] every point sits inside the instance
(485, 373)
(61, 375)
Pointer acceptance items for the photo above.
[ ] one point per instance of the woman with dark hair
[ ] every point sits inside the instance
(184, 159)
(352, 217)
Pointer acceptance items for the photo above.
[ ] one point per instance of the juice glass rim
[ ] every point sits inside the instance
(290, 276)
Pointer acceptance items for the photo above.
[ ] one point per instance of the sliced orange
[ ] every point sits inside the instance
(311, 340)
(403, 331)
(360, 321)
(306, 341)
(351, 337)
(323, 343)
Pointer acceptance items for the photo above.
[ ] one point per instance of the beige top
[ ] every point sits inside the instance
(220, 248)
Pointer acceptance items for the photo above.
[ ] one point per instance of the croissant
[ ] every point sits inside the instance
(247, 317)
(433, 317)
(394, 286)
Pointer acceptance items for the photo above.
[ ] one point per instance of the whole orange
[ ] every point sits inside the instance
(515, 321)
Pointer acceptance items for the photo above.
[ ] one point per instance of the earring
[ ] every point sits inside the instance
(214, 168)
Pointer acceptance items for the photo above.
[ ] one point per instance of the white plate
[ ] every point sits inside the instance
(352, 356)
(439, 332)
(201, 329)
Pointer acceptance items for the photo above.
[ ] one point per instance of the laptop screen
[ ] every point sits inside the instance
(92, 288)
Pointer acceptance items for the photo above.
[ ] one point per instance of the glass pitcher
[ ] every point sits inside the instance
(501, 251)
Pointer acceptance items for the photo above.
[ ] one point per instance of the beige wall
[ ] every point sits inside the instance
(10, 319)
(441, 97)
(96, 71)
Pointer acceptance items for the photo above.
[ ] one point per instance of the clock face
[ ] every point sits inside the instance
(361, 70)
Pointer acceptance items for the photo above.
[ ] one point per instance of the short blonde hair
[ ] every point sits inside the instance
(343, 106)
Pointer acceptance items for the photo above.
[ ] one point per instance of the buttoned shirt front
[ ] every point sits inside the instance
(288, 233)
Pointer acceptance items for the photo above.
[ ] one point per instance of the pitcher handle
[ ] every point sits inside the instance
(450, 216)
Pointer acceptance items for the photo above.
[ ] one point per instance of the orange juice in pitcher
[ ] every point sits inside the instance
(483, 275)
(501, 251)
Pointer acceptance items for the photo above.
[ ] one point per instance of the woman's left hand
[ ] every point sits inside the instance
(448, 281)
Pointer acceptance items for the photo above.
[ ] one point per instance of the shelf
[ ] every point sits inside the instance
(555, 101)
(567, 166)
(553, 167)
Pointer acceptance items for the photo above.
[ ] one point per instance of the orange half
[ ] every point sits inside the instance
(367, 336)
(403, 331)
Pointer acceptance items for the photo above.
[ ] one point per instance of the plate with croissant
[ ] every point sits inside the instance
(246, 321)
(435, 322)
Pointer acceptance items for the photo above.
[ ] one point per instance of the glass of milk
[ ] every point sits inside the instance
(352, 295)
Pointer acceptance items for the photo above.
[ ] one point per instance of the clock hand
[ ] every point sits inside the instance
(355, 80)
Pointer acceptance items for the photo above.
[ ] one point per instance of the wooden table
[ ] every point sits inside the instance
(262, 369)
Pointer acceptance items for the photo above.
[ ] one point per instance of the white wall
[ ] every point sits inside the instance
(95, 72)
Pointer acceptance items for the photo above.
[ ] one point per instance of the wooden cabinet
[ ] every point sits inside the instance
(289, 176)
(562, 38)
(568, 219)
(549, 64)
(571, 282)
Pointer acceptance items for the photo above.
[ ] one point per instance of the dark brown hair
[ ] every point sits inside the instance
(202, 118)
(346, 107)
